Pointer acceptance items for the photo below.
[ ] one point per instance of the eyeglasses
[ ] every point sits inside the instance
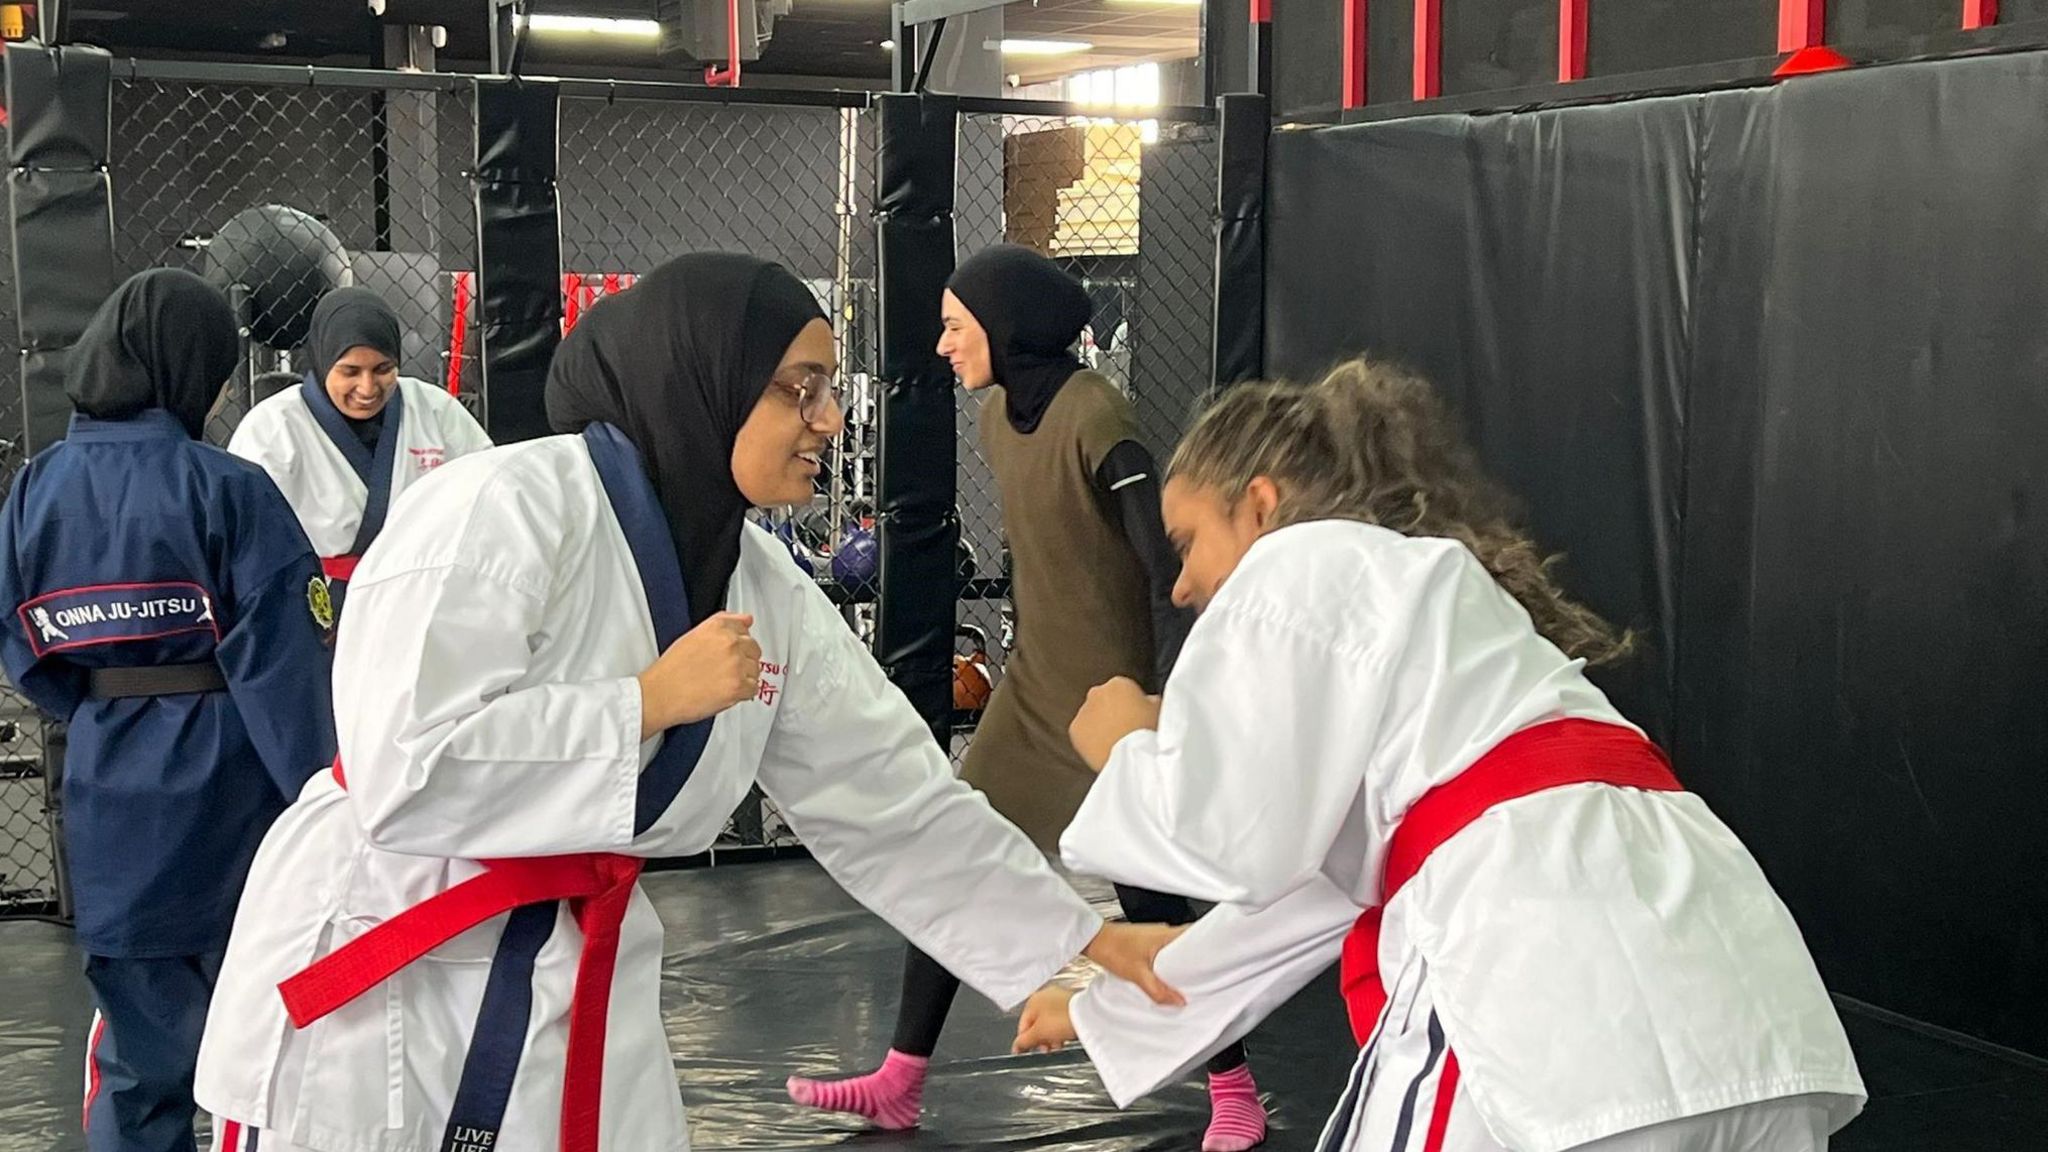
(813, 390)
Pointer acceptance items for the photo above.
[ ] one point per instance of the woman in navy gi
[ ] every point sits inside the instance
(161, 600)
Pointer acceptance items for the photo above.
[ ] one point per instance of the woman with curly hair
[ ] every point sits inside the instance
(1380, 744)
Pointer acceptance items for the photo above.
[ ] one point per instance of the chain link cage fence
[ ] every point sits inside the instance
(643, 180)
(1127, 206)
(279, 192)
(277, 188)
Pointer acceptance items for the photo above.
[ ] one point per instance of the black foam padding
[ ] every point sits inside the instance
(916, 484)
(60, 207)
(519, 250)
(1238, 344)
(1767, 366)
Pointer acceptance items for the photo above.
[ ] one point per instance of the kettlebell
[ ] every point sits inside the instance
(972, 682)
(858, 559)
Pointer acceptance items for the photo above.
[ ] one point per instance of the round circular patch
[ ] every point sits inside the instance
(320, 602)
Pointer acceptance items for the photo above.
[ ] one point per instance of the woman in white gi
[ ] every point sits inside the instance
(354, 434)
(1384, 673)
(442, 945)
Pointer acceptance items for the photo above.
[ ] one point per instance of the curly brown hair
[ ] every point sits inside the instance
(1373, 442)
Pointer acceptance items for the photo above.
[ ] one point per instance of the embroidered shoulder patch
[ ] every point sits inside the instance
(98, 614)
(320, 602)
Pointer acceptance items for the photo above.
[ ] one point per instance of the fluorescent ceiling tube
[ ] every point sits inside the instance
(1042, 47)
(596, 25)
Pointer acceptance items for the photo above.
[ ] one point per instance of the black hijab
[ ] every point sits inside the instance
(1033, 312)
(677, 363)
(164, 339)
(350, 318)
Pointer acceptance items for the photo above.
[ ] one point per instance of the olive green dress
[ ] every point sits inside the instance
(1083, 613)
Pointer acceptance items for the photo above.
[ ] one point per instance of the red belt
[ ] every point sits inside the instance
(599, 887)
(1552, 755)
(339, 567)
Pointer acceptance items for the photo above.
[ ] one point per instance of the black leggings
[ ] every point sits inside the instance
(928, 988)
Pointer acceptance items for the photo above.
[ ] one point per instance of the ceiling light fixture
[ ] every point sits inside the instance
(1042, 47)
(593, 25)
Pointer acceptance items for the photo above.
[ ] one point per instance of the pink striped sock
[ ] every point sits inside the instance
(891, 1096)
(1237, 1120)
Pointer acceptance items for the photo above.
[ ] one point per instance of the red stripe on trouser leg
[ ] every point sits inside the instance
(92, 1070)
(230, 1137)
(1446, 1092)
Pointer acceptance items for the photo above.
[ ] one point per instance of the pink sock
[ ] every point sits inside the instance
(1237, 1120)
(891, 1095)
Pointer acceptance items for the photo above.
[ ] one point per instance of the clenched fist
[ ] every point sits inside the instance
(708, 669)
(1114, 710)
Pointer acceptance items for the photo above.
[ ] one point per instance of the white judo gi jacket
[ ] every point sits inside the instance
(488, 707)
(324, 490)
(1598, 959)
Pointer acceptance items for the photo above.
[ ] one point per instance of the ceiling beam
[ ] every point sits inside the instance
(926, 11)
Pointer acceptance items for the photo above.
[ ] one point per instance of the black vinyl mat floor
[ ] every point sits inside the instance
(770, 969)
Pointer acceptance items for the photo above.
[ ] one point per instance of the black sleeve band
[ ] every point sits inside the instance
(1129, 485)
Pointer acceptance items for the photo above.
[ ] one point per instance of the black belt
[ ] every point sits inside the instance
(157, 680)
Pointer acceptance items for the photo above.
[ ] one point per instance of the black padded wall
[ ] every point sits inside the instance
(1769, 366)
(1865, 620)
(1550, 310)
(914, 190)
(519, 249)
(60, 212)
